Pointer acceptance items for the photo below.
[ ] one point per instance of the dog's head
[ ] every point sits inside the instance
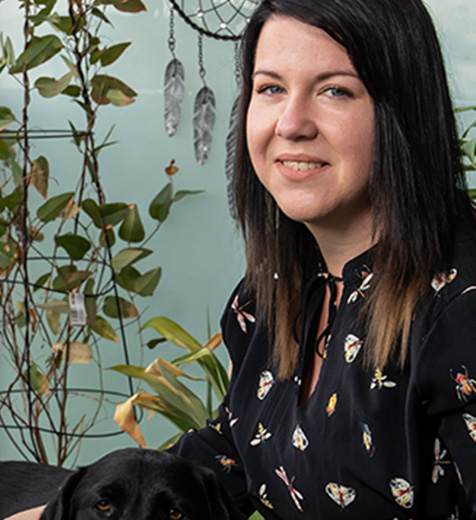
(137, 484)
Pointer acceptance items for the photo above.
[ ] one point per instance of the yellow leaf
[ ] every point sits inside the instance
(124, 417)
(78, 353)
(214, 342)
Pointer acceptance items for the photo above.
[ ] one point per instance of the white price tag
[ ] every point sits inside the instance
(77, 310)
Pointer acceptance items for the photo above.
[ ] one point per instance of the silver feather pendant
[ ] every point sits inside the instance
(203, 123)
(173, 95)
(231, 146)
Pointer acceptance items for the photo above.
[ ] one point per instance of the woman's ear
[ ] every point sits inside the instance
(60, 507)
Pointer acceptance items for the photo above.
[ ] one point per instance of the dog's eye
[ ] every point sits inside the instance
(175, 514)
(103, 506)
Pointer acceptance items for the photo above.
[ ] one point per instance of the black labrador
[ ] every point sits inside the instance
(133, 484)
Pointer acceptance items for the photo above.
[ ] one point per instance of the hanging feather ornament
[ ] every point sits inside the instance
(231, 146)
(173, 95)
(203, 123)
(173, 85)
(203, 113)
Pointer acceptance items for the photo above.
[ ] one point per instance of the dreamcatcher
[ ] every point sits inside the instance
(223, 20)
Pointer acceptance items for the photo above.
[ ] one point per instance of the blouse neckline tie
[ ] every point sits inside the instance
(332, 310)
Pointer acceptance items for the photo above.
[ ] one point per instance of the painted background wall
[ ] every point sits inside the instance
(198, 247)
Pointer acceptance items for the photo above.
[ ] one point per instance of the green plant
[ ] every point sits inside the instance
(68, 260)
(468, 145)
(172, 398)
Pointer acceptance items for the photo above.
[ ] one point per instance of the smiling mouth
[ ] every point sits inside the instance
(302, 165)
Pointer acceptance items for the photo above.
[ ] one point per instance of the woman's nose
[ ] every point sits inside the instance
(296, 121)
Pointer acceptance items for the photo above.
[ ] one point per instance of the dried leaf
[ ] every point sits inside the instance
(77, 353)
(203, 123)
(173, 95)
(231, 159)
(124, 417)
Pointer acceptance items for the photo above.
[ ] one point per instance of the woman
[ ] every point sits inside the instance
(351, 334)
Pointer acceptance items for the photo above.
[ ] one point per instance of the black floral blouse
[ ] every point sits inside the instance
(391, 444)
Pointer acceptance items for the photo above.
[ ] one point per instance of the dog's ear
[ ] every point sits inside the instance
(59, 507)
(221, 505)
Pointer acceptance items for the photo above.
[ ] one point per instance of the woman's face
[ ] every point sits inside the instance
(310, 127)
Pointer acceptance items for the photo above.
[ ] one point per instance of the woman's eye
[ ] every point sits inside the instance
(175, 514)
(104, 506)
(270, 89)
(337, 92)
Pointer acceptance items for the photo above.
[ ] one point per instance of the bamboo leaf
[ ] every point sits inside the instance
(173, 332)
(127, 309)
(173, 95)
(75, 245)
(40, 50)
(54, 206)
(124, 417)
(131, 228)
(203, 123)
(159, 208)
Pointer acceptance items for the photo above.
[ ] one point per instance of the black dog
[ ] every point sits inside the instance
(131, 484)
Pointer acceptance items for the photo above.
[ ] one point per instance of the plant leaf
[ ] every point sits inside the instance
(111, 54)
(127, 278)
(69, 278)
(102, 84)
(36, 380)
(127, 6)
(54, 321)
(104, 329)
(159, 208)
(76, 353)
(146, 284)
(173, 332)
(124, 417)
(6, 117)
(128, 256)
(127, 308)
(40, 50)
(56, 306)
(39, 175)
(50, 87)
(173, 95)
(131, 228)
(54, 206)
(75, 245)
(185, 193)
(203, 123)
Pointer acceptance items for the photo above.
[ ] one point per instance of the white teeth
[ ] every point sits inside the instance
(301, 165)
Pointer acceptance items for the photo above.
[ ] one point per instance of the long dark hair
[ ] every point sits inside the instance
(417, 184)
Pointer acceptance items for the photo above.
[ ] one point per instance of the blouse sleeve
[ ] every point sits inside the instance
(446, 375)
(213, 446)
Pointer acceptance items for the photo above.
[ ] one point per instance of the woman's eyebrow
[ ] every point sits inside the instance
(323, 76)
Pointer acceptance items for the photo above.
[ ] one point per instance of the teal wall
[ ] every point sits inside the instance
(198, 247)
